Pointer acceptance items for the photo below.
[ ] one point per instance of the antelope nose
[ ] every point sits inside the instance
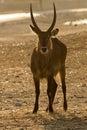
(44, 49)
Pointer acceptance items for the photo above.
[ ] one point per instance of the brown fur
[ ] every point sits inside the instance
(48, 65)
(43, 66)
(46, 61)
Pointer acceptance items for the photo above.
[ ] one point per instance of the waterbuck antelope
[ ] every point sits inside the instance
(47, 59)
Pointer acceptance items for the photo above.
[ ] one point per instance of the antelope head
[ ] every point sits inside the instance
(45, 43)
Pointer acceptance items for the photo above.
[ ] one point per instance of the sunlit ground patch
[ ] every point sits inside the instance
(77, 22)
(15, 16)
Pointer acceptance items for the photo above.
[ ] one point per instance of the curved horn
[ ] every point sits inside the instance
(54, 20)
(32, 18)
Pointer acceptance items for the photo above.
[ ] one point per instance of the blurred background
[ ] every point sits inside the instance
(69, 12)
(23, 5)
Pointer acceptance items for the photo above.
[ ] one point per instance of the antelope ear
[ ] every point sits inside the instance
(34, 29)
(54, 32)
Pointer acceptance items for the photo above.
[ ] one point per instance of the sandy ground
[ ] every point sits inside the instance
(17, 88)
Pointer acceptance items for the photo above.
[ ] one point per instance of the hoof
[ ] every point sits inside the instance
(50, 110)
(47, 109)
(35, 110)
(65, 107)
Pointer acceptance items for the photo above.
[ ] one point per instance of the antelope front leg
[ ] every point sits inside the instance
(53, 91)
(62, 74)
(37, 91)
(54, 88)
(64, 94)
(49, 93)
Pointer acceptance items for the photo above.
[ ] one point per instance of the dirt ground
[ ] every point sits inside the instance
(17, 88)
(17, 92)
